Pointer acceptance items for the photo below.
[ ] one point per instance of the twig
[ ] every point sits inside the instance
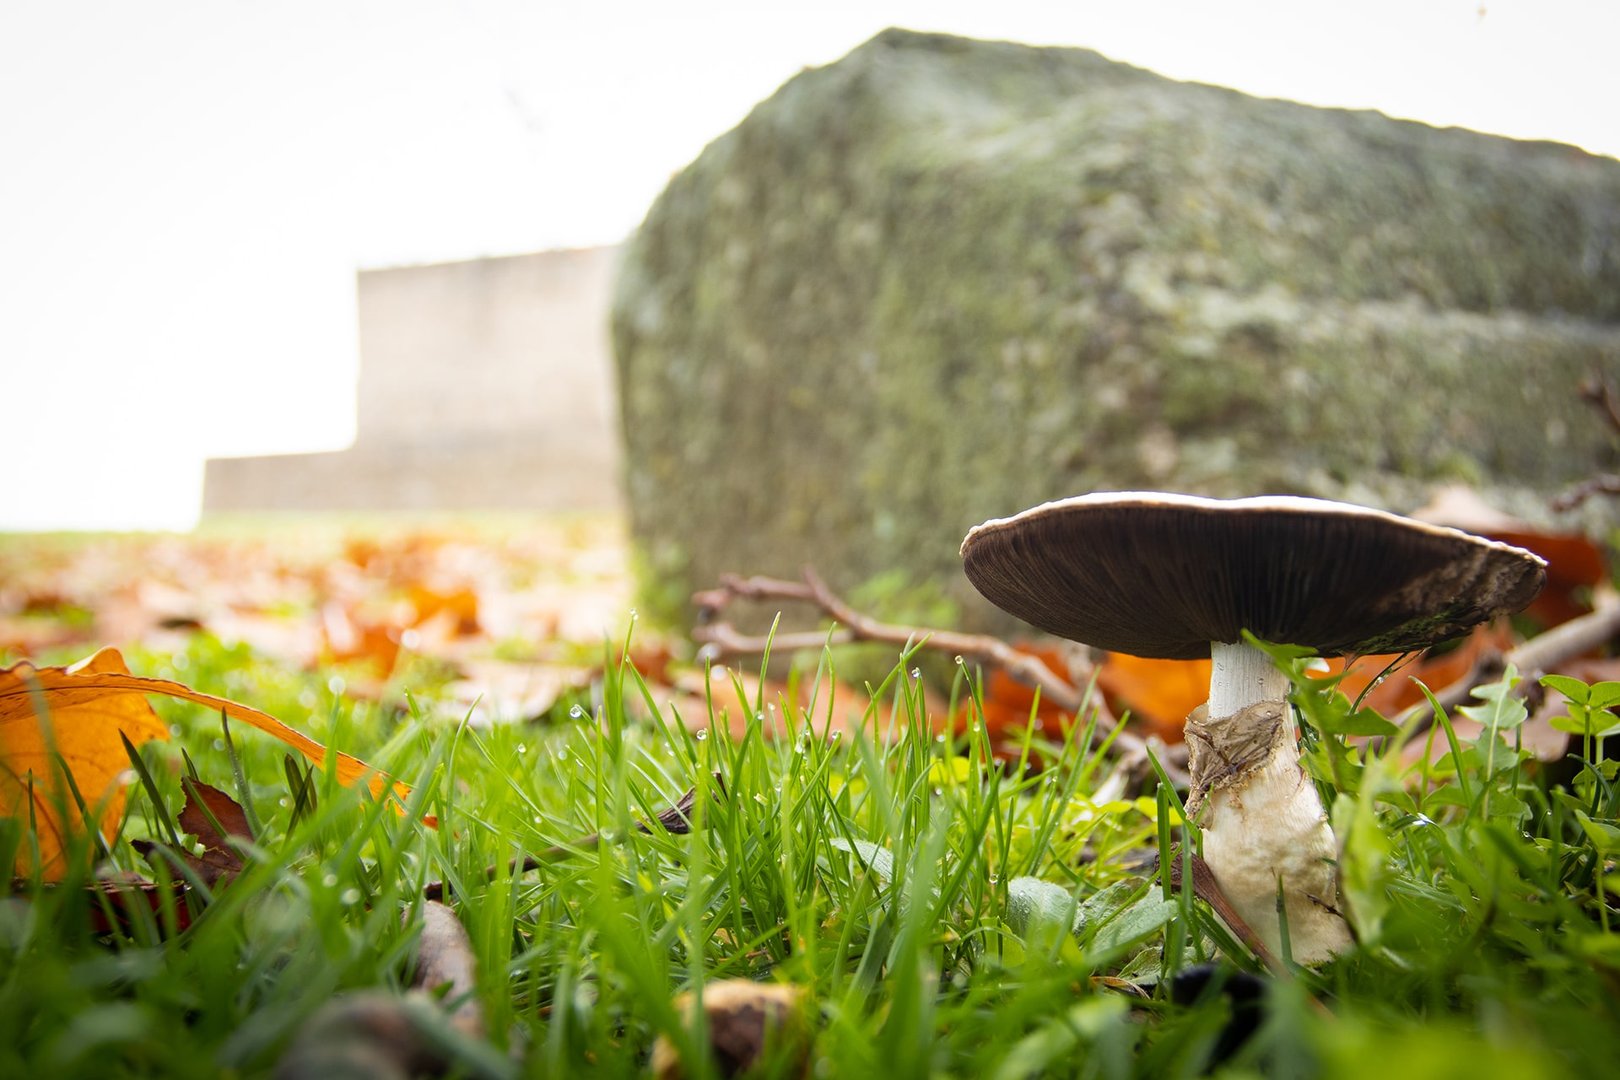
(676, 819)
(721, 639)
(1601, 392)
(1605, 484)
(855, 626)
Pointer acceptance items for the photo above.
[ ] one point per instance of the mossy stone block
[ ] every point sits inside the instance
(942, 280)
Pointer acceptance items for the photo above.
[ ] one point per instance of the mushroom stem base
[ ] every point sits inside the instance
(1262, 820)
(1267, 826)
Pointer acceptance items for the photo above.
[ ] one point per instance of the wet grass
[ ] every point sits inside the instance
(887, 873)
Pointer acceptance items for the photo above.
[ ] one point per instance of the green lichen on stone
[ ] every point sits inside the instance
(942, 280)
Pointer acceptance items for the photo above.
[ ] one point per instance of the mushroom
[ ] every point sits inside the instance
(1181, 577)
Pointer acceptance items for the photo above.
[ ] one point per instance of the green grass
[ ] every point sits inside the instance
(880, 873)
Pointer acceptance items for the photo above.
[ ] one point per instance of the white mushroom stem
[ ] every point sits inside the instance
(1240, 676)
(1261, 817)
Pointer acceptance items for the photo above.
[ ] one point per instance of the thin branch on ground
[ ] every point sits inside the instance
(1606, 484)
(720, 640)
(1602, 394)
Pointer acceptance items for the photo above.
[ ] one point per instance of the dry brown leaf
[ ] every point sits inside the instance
(297, 597)
(220, 860)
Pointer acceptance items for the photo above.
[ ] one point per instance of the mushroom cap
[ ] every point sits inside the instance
(1162, 575)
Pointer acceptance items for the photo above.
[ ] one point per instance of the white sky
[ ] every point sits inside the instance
(186, 188)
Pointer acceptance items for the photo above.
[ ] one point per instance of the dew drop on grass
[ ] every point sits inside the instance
(940, 738)
(837, 735)
(330, 880)
(959, 659)
(939, 791)
(350, 897)
(993, 879)
(219, 744)
(703, 733)
(523, 748)
(916, 673)
(577, 712)
(562, 753)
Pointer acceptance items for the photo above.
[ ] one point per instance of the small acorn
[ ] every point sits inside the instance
(745, 1018)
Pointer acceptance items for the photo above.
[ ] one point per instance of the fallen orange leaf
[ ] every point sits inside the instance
(1158, 693)
(1399, 689)
(349, 637)
(460, 604)
(1009, 703)
(88, 705)
(1575, 565)
(85, 731)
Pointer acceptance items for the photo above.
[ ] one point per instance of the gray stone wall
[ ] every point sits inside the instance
(484, 384)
